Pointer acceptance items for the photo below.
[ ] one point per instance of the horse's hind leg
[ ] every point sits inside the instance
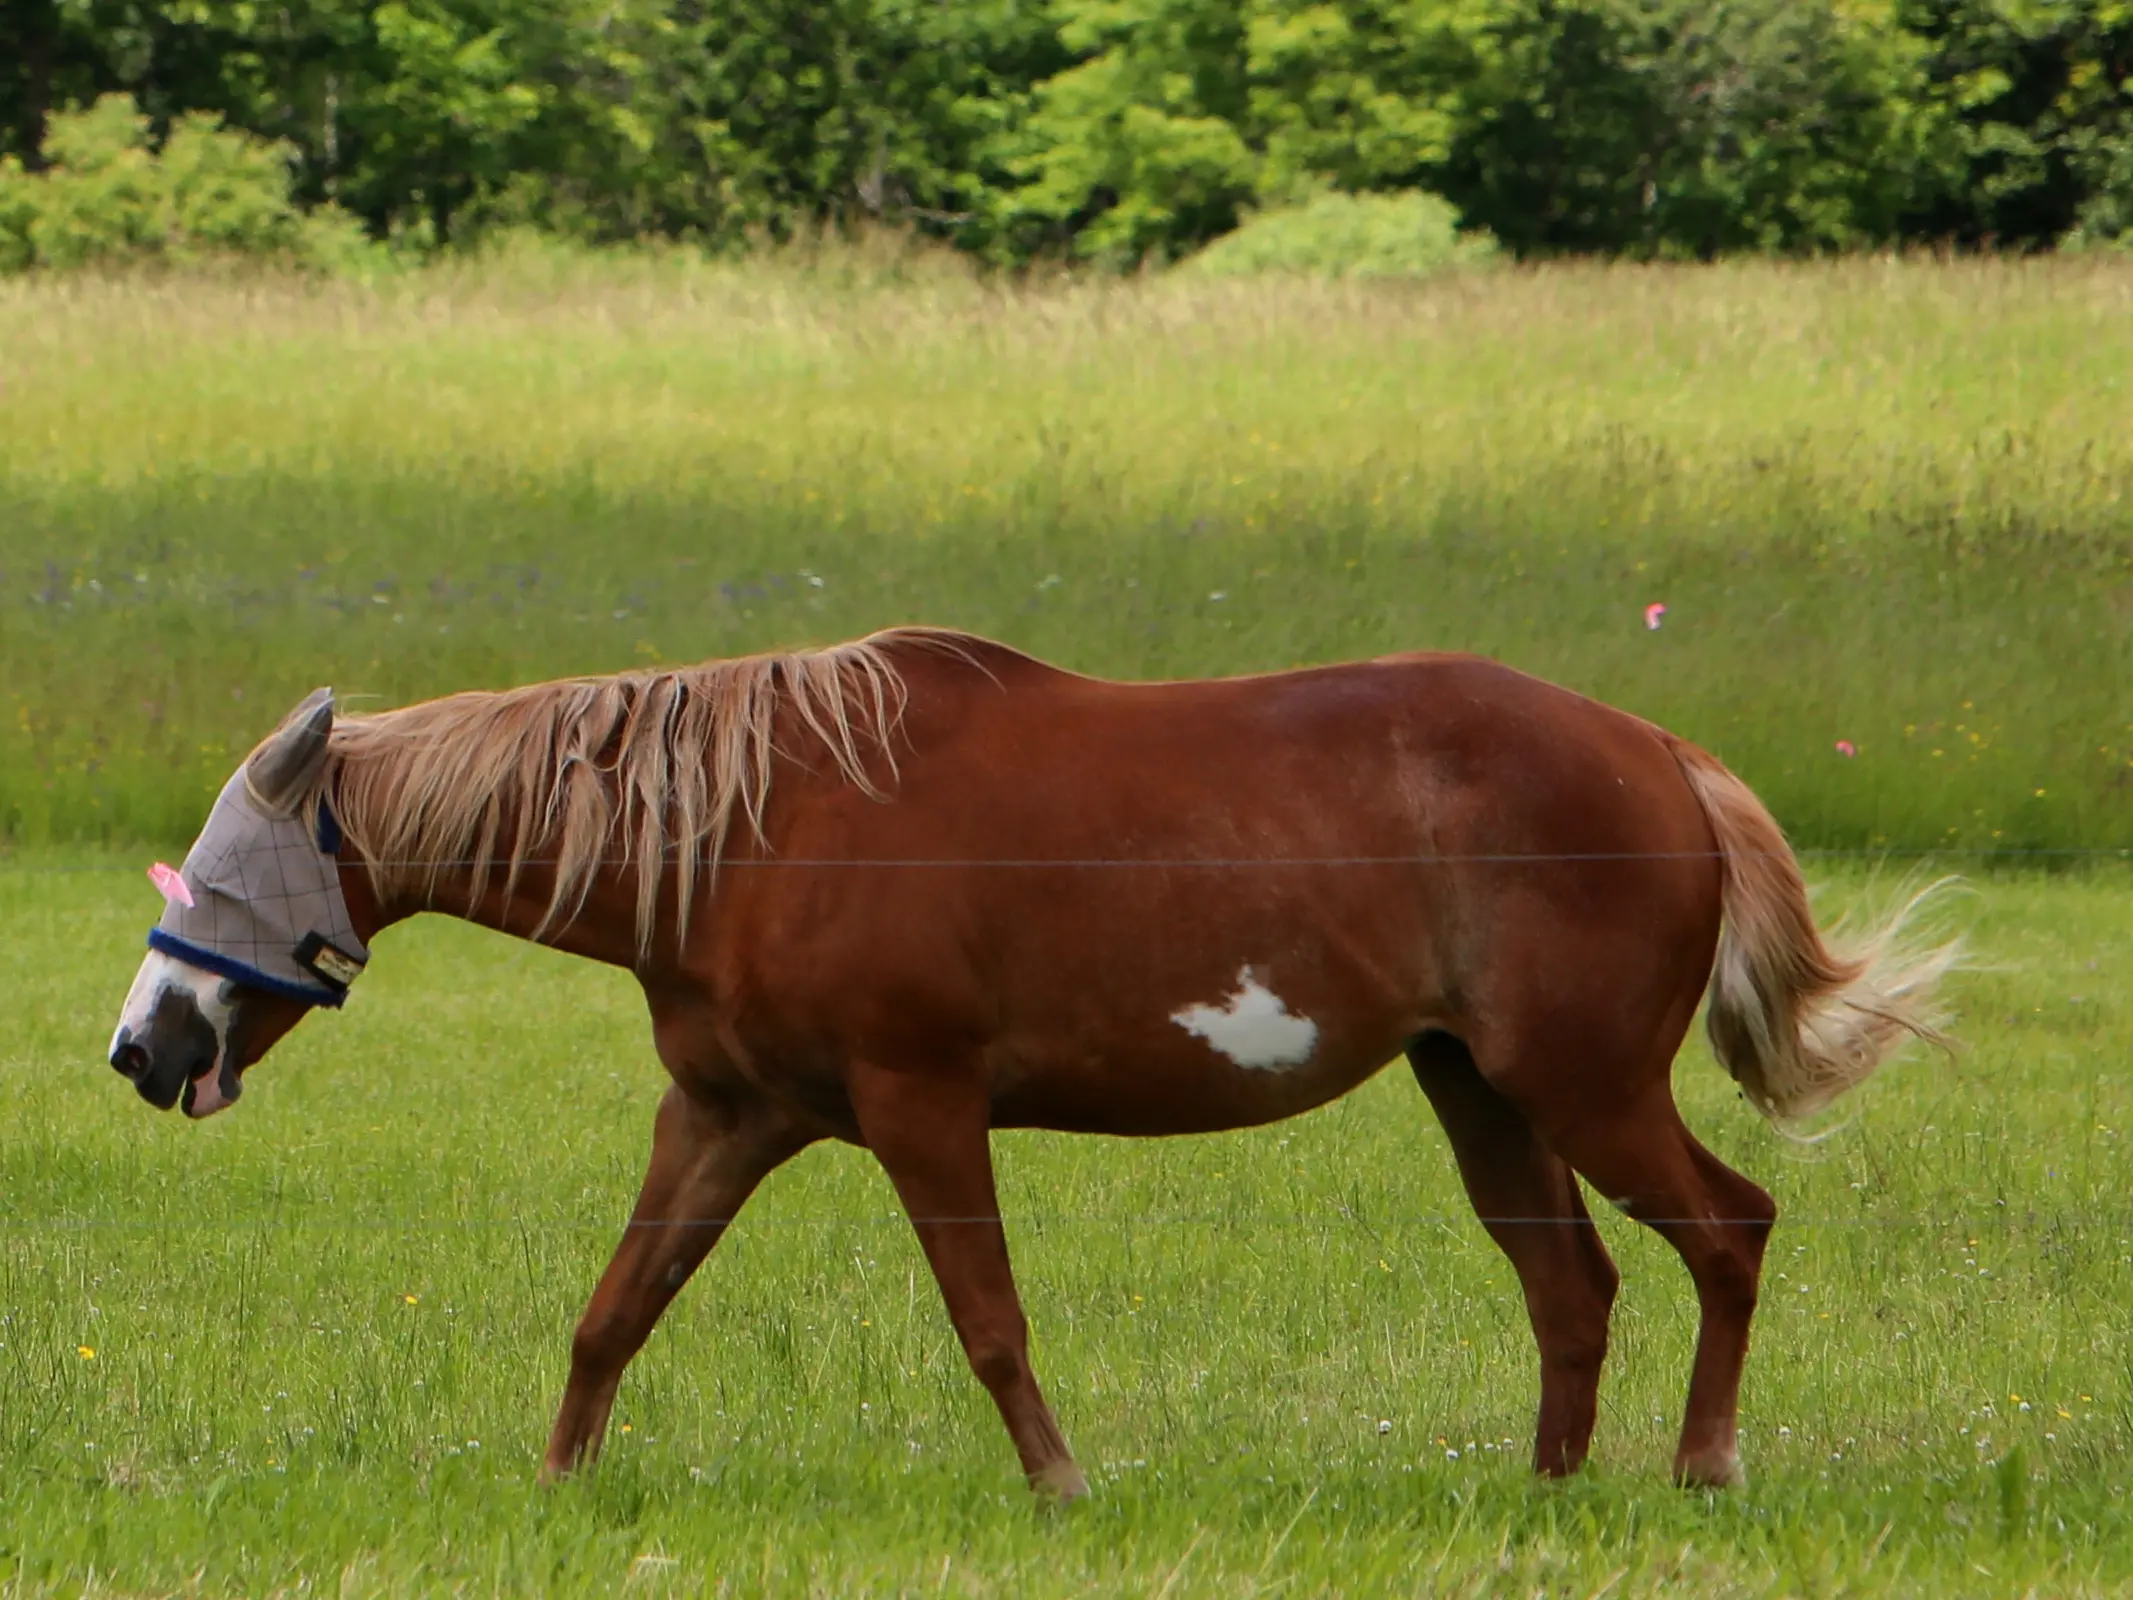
(1528, 1199)
(1646, 1161)
(932, 1135)
(707, 1158)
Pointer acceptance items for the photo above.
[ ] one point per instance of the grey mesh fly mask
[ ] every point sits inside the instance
(267, 905)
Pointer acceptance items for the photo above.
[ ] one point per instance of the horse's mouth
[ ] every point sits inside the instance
(214, 1090)
(160, 1090)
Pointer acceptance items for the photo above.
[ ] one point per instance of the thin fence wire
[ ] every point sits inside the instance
(1446, 1220)
(2000, 1219)
(1215, 863)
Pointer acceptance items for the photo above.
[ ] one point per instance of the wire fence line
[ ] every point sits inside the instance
(1217, 863)
(2000, 1218)
(2005, 1220)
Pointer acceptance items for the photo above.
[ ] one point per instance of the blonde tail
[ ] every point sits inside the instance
(1795, 1021)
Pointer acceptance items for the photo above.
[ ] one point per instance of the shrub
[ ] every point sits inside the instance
(1407, 235)
(2105, 221)
(109, 199)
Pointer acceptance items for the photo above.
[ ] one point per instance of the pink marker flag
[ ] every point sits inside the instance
(171, 882)
(1652, 614)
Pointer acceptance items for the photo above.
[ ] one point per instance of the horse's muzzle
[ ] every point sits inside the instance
(175, 1046)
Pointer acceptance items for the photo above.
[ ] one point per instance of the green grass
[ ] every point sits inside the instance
(304, 1313)
(1885, 503)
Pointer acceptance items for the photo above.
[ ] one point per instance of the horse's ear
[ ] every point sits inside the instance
(283, 771)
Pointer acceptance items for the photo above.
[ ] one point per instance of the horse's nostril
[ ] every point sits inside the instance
(131, 1060)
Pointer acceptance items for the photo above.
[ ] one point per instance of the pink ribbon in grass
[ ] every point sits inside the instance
(171, 882)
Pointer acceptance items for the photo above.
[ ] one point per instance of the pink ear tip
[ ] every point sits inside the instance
(171, 882)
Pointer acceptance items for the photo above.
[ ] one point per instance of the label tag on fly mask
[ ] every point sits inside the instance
(329, 965)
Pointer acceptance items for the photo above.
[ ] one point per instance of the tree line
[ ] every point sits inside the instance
(1125, 130)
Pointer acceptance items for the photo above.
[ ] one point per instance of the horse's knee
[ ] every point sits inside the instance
(598, 1343)
(1571, 1323)
(1573, 1338)
(1574, 1354)
(999, 1367)
(1589, 1291)
(1001, 1361)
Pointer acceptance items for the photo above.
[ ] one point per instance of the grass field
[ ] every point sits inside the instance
(314, 1345)
(1884, 503)
(329, 1327)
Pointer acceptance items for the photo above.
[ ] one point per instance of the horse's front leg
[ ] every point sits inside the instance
(708, 1155)
(931, 1132)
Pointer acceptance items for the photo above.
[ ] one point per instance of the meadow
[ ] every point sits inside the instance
(1886, 503)
(315, 1344)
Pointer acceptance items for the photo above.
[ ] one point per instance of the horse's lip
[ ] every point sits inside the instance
(150, 1088)
(190, 1092)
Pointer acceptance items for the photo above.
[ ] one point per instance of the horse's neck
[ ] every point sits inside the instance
(603, 930)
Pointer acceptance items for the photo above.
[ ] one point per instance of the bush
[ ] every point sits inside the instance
(1408, 235)
(110, 200)
(2105, 221)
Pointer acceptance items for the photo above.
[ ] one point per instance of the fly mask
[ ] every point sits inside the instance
(265, 890)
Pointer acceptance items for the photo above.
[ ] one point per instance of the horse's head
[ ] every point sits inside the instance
(255, 931)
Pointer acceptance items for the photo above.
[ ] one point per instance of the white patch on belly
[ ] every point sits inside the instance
(1252, 1027)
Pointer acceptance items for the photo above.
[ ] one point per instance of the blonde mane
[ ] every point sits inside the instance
(640, 769)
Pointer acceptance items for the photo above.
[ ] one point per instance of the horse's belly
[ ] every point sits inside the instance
(1230, 1068)
(1250, 1010)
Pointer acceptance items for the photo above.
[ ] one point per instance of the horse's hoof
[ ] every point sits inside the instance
(1715, 1470)
(1060, 1483)
(1557, 1463)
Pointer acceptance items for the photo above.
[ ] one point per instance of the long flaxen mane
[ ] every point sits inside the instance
(642, 769)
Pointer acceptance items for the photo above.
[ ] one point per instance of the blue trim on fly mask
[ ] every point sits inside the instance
(239, 971)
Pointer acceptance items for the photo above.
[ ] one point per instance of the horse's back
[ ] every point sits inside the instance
(1455, 749)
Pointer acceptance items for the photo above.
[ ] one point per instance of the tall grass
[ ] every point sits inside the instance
(1885, 503)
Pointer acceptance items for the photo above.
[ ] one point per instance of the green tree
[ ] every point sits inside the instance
(758, 112)
(1131, 129)
(1649, 126)
(1691, 127)
(2041, 92)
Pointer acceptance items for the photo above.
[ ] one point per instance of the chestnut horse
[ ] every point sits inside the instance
(904, 891)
